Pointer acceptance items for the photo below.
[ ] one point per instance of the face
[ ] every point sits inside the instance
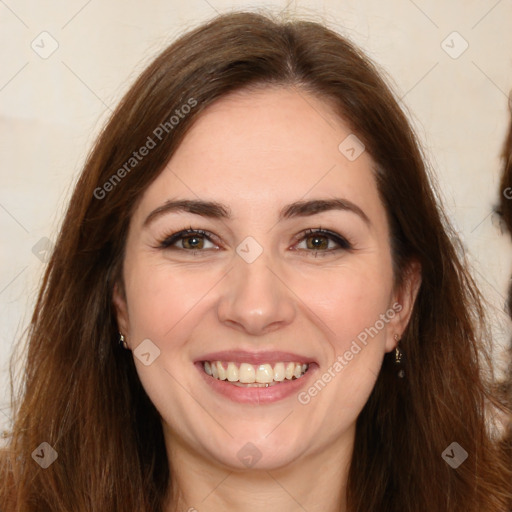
(280, 269)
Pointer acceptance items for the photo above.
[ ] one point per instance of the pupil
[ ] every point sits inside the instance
(193, 241)
(317, 242)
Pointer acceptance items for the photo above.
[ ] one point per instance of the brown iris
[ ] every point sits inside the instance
(318, 243)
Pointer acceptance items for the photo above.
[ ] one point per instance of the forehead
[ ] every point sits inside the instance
(259, 149)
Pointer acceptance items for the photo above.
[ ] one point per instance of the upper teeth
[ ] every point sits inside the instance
(248, 373)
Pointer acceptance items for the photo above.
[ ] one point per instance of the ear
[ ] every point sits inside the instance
(402, 304)
(121, 308)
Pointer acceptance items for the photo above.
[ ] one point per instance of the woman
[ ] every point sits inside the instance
(254, 300)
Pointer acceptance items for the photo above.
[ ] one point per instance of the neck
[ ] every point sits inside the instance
(313, 483)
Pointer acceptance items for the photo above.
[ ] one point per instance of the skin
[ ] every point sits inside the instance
(256, 151)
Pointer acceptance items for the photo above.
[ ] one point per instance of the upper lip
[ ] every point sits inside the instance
(242, 356)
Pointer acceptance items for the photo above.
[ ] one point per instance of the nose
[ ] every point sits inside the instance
(255, 298)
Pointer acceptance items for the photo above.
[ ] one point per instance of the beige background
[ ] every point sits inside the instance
(51, 109)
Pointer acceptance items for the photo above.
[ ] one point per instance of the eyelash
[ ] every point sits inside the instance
(344, 244)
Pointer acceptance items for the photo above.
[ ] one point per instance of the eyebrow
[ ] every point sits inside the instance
(215, 210)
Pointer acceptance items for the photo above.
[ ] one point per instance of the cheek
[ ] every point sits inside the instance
(350, 300)
(354, 306)
(163, 307)
(163, 299)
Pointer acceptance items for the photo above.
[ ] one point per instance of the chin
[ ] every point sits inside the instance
(256, 449)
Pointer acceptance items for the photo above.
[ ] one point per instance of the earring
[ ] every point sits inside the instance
(122, 341)
(399, 359)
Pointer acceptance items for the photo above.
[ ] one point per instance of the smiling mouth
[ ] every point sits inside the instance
(258, 375)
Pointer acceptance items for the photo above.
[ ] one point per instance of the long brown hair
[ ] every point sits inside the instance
(81, 393)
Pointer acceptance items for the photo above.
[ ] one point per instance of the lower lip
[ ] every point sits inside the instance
(257, 395)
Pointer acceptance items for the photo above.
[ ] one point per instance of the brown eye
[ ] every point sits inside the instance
(319, 240)
(191, 240)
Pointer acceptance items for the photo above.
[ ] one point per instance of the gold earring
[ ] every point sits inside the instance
(398, 358)
(122, 341)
